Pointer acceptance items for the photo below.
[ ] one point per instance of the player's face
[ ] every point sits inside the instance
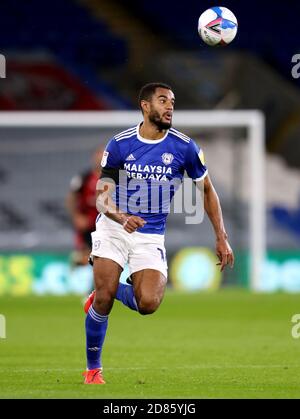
(161, 108)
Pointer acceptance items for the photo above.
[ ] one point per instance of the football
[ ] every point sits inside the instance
(217, 26)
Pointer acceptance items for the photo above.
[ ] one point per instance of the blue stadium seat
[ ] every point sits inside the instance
(288, 219)
(178, 22)
(64, 28)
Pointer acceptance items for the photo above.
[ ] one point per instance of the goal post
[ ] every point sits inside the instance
(252, 120)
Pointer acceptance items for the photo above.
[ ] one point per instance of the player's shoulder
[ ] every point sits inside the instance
(123, 135)
(180, 136)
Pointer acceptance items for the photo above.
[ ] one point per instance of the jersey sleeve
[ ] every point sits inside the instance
(194, 162)
(111, 158)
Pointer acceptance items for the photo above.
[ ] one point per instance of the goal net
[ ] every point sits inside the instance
(42, 151)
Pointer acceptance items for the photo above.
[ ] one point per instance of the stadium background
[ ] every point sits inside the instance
(94, 55)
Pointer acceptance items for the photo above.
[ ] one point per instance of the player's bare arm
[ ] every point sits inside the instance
(213, 209)
(106, 205)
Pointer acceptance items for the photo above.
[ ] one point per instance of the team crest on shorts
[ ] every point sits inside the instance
(167, 158)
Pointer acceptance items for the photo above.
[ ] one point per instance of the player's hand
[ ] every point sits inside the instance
(132, 223)
(224, 253)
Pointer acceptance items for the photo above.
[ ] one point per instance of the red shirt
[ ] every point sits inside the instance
(85, 187)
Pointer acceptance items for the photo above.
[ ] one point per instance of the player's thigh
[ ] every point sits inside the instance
(149, 286)
(148, 254)
(106, 276)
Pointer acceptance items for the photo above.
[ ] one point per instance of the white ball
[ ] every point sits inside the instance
(217, 26)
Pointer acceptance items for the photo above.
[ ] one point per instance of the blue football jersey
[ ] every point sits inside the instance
(150, 172)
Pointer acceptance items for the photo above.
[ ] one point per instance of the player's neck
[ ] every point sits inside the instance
(150, 131)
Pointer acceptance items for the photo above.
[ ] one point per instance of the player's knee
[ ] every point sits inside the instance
(148, 305)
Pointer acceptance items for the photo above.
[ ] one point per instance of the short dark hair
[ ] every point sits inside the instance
(149, 89)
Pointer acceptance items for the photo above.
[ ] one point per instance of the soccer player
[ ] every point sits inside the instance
(150, 152)
(81, 204)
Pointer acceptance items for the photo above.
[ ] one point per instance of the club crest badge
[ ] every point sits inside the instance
(167, 158)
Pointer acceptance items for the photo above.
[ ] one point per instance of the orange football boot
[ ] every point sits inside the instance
(93, 376)
(89, 301)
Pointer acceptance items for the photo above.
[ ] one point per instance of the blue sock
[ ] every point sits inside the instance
(95, 328)
(125, 294)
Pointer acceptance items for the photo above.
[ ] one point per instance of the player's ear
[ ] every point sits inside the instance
(145, 105)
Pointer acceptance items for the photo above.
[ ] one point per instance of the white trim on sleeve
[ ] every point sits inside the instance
(202, 177)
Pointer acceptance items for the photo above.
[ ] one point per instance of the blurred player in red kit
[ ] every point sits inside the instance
(81, 205)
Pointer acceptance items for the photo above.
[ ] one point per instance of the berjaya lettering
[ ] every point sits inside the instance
(139, 171)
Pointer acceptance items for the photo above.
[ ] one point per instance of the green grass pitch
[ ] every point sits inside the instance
(229, 344)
